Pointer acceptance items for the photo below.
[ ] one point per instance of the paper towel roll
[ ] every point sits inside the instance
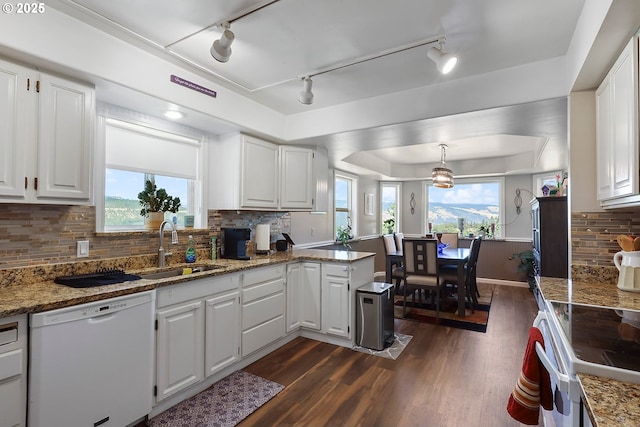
(263, 238)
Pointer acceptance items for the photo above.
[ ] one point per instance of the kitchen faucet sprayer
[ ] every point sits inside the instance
(174, 240)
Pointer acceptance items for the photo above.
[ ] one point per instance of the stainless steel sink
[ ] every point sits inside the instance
(178, 272)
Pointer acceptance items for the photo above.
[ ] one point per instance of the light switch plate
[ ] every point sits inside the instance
(83, 248)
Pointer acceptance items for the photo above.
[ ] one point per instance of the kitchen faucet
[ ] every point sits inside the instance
(174, 240)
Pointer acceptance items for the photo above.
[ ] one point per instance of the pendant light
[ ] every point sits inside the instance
(442, 176)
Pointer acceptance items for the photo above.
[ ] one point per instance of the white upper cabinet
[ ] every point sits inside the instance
(46, 138)
(617, 132)
(259, 174)
(296, 177)
(248, 173)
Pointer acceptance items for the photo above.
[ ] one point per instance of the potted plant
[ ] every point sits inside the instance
(344, 234)
(155, 202)
(526, 266)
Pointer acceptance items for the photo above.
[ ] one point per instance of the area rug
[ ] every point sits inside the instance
(392, 352)
(472, 321)
(224, 404)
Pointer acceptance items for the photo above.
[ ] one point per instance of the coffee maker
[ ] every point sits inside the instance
(234, 243)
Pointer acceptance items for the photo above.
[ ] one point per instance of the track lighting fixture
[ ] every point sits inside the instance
(442, 176)
(221, 48)
(306, 96)
(444, 61)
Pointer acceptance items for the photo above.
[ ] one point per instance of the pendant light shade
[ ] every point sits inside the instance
(221, 48)
(442, 176)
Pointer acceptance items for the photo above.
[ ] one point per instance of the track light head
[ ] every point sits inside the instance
(306, 96)
(221, 48)
(444, 61)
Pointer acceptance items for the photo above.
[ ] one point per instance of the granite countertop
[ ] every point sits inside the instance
(31, 289)
(609, 403)
(602, 294)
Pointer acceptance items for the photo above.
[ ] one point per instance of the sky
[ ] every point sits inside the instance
(486, 193)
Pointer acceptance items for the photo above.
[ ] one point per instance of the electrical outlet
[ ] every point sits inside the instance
(83, 248)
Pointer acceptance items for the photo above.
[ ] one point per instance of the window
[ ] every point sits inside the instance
(345, 214)
(389, 202)
(135, 154)
(466, 207)
(121, 206)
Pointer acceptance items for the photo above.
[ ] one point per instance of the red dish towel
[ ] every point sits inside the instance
(533, 387)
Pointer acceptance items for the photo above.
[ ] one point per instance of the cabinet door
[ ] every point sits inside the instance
(259, 188)
(335, 305)
(310, 282)
(17, 134)
(604, 140)
(296, 178)
(625, 139)
(294, 297)
(222, 331)
(65, 140)
(179, 348)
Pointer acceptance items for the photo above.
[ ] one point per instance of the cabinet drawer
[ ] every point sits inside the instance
(262, 335)
(262, 290)
(10, 364)
(260, 311)
(196, 289)
(260, 275)
(339, 270)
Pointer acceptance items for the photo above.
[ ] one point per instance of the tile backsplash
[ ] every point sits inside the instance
(47, 234)
(594, 242)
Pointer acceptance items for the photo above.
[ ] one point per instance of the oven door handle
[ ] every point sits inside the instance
(561, 380)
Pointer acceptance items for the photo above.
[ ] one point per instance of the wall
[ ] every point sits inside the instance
(368, 225)
(593, 230)
(312, 229)
(47, 234)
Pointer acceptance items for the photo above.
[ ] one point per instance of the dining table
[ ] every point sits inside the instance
(447, 256)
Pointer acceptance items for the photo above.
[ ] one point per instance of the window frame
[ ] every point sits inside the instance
(352, 209)
(501, 231)
(198, 202)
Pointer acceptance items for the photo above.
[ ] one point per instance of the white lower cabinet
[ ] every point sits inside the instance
(336, 300)
(198, 332)
(303, 295)
(13, 371)
(339, 283)
(263, 307)
(179, 348)
(222, 338)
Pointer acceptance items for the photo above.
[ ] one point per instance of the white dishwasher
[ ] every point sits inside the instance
(92, 364)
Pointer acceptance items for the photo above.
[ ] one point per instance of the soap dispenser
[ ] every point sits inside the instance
(191, 250)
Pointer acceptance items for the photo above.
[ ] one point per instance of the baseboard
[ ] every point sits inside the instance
(503, 282)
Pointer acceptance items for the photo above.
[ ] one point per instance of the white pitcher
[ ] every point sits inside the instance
(628, 264)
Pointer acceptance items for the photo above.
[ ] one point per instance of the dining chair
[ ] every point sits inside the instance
(450, 238)
(398, 238)
(449, 274)
(421, 270)
(397, 272)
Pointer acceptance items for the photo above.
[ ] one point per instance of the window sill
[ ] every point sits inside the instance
(115, 233)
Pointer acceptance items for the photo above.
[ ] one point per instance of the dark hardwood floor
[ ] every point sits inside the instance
(445, 376)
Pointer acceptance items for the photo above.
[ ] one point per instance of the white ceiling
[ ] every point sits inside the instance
(276, 45)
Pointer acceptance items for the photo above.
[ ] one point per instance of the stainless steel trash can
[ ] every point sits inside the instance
(374, 315)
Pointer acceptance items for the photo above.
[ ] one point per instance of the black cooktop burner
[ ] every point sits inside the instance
(602, 335)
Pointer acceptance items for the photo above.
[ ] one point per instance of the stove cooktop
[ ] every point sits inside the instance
(603, 336)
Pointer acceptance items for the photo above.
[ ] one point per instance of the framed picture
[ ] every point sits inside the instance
(368, 204)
